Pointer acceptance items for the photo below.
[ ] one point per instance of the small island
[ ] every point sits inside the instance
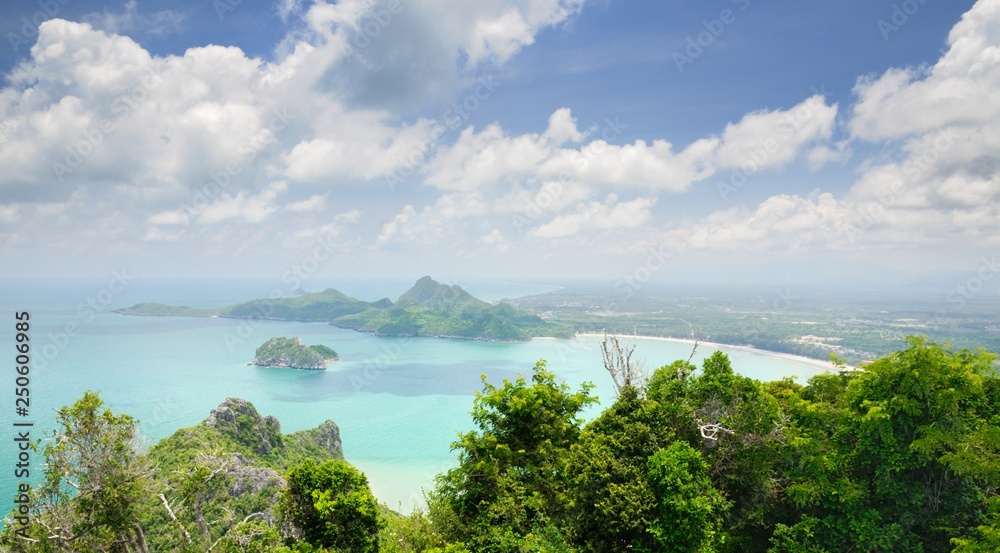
(291, 353)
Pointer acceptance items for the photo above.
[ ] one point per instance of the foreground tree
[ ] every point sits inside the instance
(332, 505)
(689, 509)
(95, 484)
(915, 412)
(901, 456)
(506, 494)
(612, 505)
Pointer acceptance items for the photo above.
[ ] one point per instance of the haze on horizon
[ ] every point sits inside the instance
(523, 139)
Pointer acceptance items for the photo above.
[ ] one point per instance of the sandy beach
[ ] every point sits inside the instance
(713, 345)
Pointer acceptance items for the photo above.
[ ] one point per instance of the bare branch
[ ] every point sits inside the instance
(245, 520)
(710, 431)
(173, 517)
(694, 336)
(618, 362)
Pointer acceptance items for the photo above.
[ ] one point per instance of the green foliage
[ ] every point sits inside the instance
(406, 534)
(215, 476)
(903, 455)
(611, 502)
(332, 506)
(690, 510)
(291, 352)
(429, 308)
(252, 536)
(800, 538)
(986, 537)
(745, 449)
(94, 484)
(506, 493)
(325, 352)
(914, 411)
(898, 456)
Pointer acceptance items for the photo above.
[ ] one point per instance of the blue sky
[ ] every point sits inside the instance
(503, 138)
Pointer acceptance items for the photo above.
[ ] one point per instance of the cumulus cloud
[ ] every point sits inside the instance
(596, 216)
(936, 181)
(490, 158)
(367, 152)
(958, 90)
(398, 223)
(215, 148)
(547, 184)
(785, 222)
(393, 54)
(496, 239)
(313, 203)
(251, 207)
(773, 138)
(214, 138)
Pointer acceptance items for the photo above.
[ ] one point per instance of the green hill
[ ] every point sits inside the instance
(429, 308)
(224, 469)
(293, 354)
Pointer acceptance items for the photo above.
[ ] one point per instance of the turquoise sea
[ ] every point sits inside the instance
(399, 402)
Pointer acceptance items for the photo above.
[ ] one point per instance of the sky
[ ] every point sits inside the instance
(722, 140)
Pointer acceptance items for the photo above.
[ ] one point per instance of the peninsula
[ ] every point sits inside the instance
(429, 308)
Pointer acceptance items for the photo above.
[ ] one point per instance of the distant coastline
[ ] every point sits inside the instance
(789, 356)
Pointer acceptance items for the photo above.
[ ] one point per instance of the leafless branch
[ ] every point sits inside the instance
(245, 520)
(694, 336)
(173, 517)
(710, 431)
(618, 362)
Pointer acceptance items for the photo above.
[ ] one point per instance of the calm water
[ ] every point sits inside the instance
(399, 402)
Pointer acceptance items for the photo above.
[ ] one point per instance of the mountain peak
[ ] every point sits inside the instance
(430, 293)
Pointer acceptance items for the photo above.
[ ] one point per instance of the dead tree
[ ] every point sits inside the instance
(618, 362)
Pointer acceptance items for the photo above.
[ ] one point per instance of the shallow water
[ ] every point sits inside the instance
(399, 402)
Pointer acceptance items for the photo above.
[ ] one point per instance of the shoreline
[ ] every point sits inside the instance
(789, 356)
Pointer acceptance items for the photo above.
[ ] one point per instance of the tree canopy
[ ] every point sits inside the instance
(900, 455)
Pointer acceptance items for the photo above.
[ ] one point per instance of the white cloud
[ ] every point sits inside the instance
(496, 239)
(130, 20)
(598, 216)
(392, 54)
(823, 154)
(484, 159)
(392, 228)
(452, 219)
(637, 165)
(960, 89)
(8, 214)
(288, 7)
(220, 152)
(936, 181)
(773, 138)
(368, 151)
(313, 203)
(495, 30)
(490, 158)
(203, 139)
(250, 207)
(785, 222)
(253, 208)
